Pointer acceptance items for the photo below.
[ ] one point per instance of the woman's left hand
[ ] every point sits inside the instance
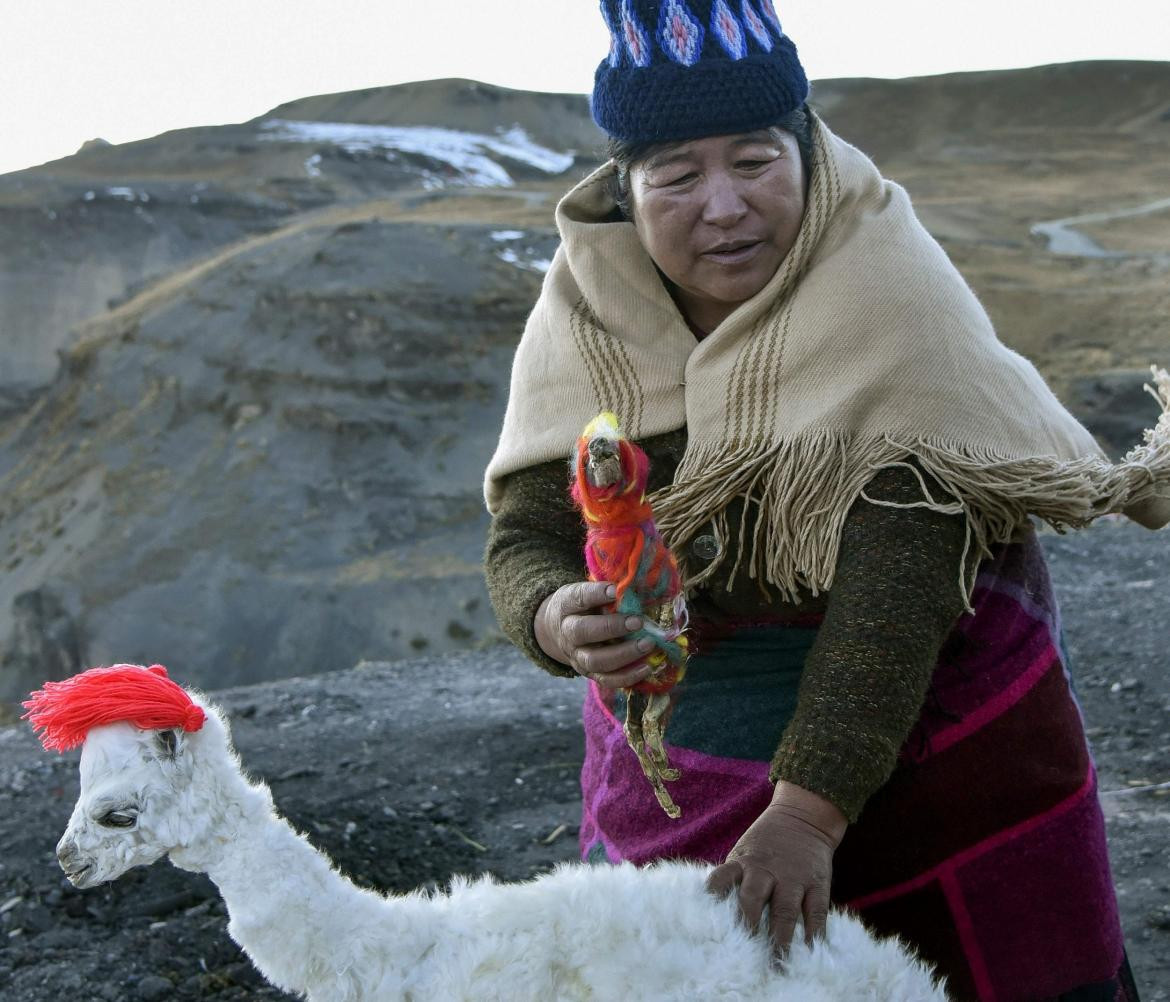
(784, 862)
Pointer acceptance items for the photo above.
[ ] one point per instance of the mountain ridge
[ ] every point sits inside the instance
(252, 376)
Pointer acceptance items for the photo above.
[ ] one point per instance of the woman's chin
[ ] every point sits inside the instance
(726, 295)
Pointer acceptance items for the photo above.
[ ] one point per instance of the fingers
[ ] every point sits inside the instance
(580, 631)
(759, 889)
(585, 596)
(755, 889)
(723, 878)
(783, 912)
(816, 913)
(622, 678)
(604, 658)
(593, 642)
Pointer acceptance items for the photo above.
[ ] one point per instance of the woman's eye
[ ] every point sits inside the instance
(752, 164)
(118, 819)
(681, 179)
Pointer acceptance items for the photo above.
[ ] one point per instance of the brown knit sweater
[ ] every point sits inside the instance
(894, 600)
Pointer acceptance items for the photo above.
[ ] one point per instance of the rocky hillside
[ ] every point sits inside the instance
(252, 443)
(1048, 188)
(251, 373)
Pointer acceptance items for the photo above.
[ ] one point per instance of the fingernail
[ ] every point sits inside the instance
(645, 644)
(633, 623)
(611, 592)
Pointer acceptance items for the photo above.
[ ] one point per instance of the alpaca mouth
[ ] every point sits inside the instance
(74, 876)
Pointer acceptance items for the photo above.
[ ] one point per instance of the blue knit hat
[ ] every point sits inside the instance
(684, 69)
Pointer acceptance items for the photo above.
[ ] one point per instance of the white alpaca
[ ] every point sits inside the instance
(580, 932)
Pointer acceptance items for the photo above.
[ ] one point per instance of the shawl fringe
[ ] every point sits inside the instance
(803, 487)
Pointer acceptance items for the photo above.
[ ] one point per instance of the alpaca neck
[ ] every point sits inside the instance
(306, 927)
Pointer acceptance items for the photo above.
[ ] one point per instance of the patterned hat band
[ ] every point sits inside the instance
(680, 69)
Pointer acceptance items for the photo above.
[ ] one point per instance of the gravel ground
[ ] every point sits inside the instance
(406, 773)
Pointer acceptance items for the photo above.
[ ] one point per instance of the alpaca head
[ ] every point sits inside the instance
(131, 794)
(139, 736)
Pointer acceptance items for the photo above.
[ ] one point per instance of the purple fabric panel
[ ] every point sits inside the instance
(1043, 909)
(719, 798)
(1017, 569)
(979, 791)
(984, 657)
(988, 653)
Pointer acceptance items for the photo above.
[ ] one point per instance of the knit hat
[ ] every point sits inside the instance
(684, 69)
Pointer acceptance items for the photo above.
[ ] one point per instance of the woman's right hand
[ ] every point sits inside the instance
(572, 628)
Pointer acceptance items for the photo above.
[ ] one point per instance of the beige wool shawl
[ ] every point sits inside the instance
(864, 349)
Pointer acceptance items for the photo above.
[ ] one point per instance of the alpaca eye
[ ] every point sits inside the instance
(118, 819)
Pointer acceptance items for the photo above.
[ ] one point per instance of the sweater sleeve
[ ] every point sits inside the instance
(895, 597)
(535, 544)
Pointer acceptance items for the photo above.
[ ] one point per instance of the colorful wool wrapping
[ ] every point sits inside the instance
(62, 713)
(985, 850)
(623, 546)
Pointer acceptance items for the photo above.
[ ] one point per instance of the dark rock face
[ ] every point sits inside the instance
(87, 231)
(45, 642)
(89, 242)
(275, 468)
(1115, 406)
(253, 445)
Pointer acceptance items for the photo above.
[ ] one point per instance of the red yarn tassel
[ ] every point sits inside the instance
(64, 712)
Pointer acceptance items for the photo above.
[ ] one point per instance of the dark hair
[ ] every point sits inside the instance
(625, 154)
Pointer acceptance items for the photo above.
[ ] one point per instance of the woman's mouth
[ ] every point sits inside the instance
(733, 253)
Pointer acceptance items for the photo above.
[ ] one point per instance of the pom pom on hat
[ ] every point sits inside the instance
(684, 69)
(62, 713)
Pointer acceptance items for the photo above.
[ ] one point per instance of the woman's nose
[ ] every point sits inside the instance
(724, 205)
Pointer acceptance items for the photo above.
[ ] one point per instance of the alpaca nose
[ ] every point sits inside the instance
(66, 853)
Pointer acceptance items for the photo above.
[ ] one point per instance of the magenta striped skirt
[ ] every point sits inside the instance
(985, 849)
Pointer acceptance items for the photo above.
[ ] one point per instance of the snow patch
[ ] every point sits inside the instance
(516, 145)
(509, 255)
(501, 235)
(122, 194)
(313, 165)
(126, 194)
(469, 154)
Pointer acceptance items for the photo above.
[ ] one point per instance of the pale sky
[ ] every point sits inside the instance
(72, 70)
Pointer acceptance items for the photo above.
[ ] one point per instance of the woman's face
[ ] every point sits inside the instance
(718, 215)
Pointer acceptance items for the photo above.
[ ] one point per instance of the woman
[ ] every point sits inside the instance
(845, 458)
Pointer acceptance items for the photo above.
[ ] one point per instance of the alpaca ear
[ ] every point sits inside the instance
(168, 744)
